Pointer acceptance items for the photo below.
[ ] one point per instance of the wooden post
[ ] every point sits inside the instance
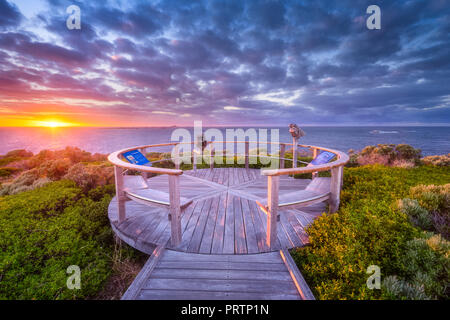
(177, 156)
(294, 152)
(315, 174)
(211, 161)
(336, 178)
(175, 210)
(144, 175)
(246, 154)
(282, 152)
(272, 212)
(120, 192)
(194, 156)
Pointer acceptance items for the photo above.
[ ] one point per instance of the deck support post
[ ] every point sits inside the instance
(211, 156)
(273, 183)
(177, 156)
(246, 153)
(315, 174)
(336, 180)
(175, 210)
(120, 192)
(294, 152)
(282, 152)
(194, 159)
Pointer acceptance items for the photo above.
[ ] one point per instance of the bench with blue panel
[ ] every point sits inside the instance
(318, 189)
(144, 194)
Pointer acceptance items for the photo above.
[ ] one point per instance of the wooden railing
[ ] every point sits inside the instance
(121, 166)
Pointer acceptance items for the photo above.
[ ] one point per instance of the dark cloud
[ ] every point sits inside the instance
(9, 14)
(264, 60)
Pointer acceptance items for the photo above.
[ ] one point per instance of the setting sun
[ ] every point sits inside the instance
(52, 124)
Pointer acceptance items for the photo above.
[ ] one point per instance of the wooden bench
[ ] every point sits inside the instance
(155, 198)
(318, 190)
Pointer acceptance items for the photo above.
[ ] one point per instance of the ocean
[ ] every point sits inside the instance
(431, 140)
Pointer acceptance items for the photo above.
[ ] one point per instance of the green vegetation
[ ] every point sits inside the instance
(54, 215)
(371, 229)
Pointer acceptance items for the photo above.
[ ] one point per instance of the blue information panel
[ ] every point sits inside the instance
(322, 158)
(136, 157)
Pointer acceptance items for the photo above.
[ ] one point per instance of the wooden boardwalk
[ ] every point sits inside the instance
(222, 219)
(172, 275)
(223, 253)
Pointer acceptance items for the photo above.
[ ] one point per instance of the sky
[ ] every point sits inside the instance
(225, 62)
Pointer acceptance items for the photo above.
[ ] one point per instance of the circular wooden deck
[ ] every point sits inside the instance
(222, 219)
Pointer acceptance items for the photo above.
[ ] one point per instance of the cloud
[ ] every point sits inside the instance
(231, 61)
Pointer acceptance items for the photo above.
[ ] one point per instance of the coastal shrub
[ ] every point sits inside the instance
(12, 156)
(54, 169)
(418, 215)
(7, 171)
(91, 176)
(71, 155)
(27, 180)
(399, 289)
(428, 207)
(442, 160)
(401, 155)
(368, 229)
(426, 270)
(48, 229)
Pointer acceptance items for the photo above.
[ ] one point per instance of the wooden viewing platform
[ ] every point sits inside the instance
(220, 233)
(223, 217)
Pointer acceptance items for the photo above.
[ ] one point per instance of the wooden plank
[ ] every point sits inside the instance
(302, 287)
(221, 265)
(260, 231)
(268, 257)
(228, 240)
(211, 295)
(297, 227)
(215, 274)
(219, 230)
(240, 243)
(188, 232)
(208, 234)
(194, 244)
(250, 234)
(133, 291)
(288, 230)
(247, 286)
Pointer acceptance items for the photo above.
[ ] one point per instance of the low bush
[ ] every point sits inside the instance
(442, 160)
(48, 229)
(428, 207)
(426, 270)
(7, 171)
(402, 155)
(369, 229)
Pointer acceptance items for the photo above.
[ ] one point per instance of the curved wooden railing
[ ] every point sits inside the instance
(336, 167)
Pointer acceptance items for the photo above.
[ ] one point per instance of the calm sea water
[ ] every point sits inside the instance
(431, 140)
